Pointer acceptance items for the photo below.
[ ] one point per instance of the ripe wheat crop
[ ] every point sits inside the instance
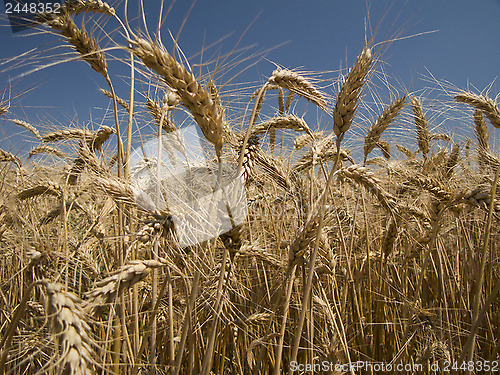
(339, 259)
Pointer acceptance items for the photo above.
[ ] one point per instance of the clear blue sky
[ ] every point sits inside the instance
(313, 35)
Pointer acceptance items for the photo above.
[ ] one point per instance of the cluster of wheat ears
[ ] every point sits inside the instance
(392, 259)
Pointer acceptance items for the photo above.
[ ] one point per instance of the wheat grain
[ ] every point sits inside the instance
(385, 148)
(433, 186)
(306, 235)
(320, 152)
(407, 152)
(3, 108)
(249, 156)
(481, 197)
(483, 103)
(101, 136)
(390, 236)
(281, 101)
(192, 96)
(481, 131)
(347, 100)
(115, 188)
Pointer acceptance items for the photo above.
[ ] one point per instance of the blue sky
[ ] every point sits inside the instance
(314, 35)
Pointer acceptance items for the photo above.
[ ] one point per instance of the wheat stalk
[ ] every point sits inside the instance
(347, 100)
(487, 105)
(192, 96)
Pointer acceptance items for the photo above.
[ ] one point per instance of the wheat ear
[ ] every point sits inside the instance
(282, 122)
(3, 108)
(192, 95)
(452, 161)
(120, 101)
(98, 138)
(347, 100)
(65, 134)
(6, 156)
(303, 140)
(84, 44)
(69, 324)
(299, 85)
(89, 6)
(122, 279)
(50, 188)
(156, 112)
(487, 105)
(481, 131)
(423, 136)
(364, 177)
(44, 149)
(28, 127)
(383, 121)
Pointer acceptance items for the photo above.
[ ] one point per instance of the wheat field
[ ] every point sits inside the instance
(347, 256)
